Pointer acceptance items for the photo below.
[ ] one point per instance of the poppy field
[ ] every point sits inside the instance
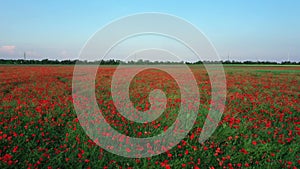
(260, 126)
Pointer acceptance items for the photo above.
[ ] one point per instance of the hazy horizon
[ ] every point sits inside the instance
(254, 31)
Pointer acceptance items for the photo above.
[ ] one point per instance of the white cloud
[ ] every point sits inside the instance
(32, 54)
(8, 49)
(63, 53)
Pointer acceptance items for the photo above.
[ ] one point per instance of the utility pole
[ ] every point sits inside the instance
(24, 55)
(289, 56)
(228, 57)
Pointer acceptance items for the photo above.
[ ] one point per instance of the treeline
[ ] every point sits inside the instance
(63, 62)
(248, 62)
(117, 62)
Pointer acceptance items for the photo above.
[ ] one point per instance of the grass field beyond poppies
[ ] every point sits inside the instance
(260, 127)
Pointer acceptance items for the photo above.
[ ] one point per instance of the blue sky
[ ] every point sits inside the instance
(252, 30)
